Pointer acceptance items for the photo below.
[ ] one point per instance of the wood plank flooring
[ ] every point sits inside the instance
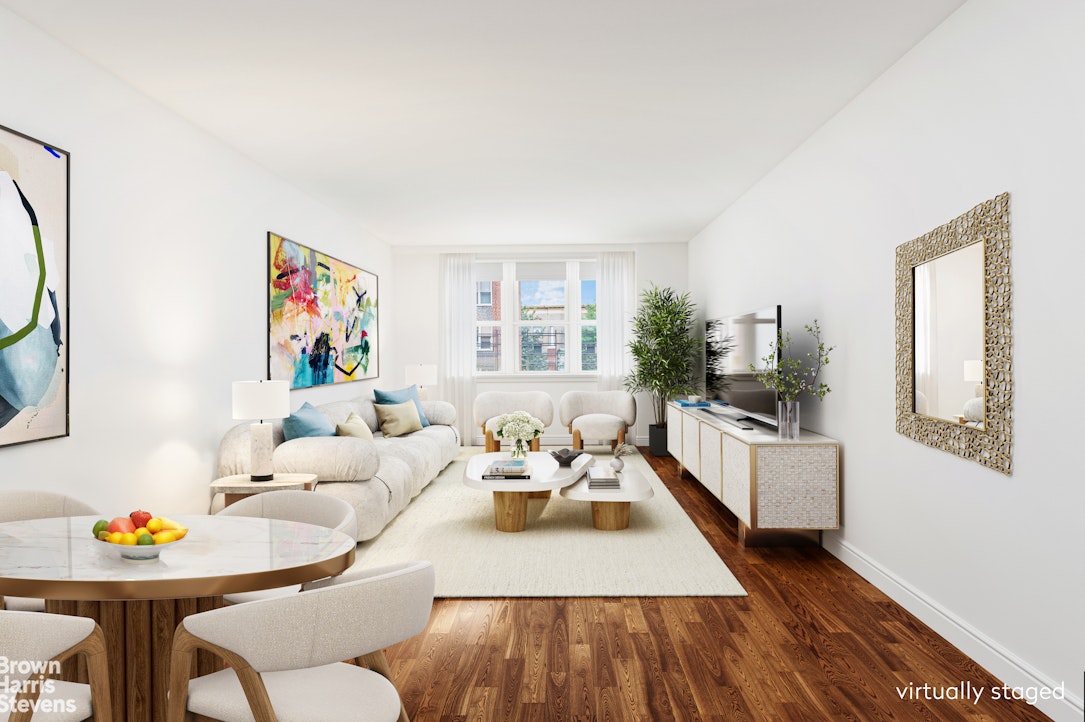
(812, 641)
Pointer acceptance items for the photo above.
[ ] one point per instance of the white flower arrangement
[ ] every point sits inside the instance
(518, 426)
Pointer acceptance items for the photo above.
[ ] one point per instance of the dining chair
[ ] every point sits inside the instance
(284, 655)
(23, 504)
(597, 415)
(489, 405)
(291, 505)
(46, 640)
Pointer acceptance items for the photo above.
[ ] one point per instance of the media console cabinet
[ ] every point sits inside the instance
(770, 485)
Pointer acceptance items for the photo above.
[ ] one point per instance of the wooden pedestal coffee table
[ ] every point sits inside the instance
(610, 507)
(511, 495)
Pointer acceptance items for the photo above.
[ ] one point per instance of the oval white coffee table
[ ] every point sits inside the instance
(511, 495)
(610, 507)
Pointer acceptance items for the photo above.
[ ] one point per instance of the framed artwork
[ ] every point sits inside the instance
(322, 317)
(33, 289)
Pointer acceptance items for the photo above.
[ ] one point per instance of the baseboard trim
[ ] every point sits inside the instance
(995, 658)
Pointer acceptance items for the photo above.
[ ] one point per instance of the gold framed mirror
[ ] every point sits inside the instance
(954, 337)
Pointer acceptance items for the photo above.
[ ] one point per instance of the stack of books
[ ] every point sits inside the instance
(508, 469)
(603, 477)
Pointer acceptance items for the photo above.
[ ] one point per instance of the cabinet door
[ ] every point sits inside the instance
(674, 433)
(691, 444)
(736, 478)
(712, 460)
(798, 486)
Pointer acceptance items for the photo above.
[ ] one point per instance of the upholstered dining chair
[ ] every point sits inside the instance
(491, 404)
(597, 415)
(284, 654)
(52, 638)
(291, 505)
(23, 504)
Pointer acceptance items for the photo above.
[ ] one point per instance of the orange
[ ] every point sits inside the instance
(114, 537)
(164, 537)
(154, 525)
(128, 539)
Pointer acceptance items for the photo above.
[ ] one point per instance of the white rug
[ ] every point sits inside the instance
(560, 554)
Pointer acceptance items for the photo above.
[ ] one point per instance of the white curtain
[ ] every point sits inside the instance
(458, 338)
(926, 347)
(615, 298)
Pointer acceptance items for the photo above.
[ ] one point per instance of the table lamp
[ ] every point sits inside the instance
(261, 400)
(422, 375)
(973, 371)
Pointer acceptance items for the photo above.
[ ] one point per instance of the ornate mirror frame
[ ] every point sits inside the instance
(992, 445)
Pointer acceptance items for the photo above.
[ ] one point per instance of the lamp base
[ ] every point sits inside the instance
(260, 466)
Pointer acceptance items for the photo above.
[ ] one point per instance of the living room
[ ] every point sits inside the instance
(168, 304)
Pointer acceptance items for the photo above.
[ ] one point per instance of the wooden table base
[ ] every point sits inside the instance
(139, 636)
(610, 515)
(510, 510)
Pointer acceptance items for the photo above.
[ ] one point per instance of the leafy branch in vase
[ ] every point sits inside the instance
(792, 376)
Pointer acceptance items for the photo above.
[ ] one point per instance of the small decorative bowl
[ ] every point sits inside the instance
(136, 554)
(565, 457)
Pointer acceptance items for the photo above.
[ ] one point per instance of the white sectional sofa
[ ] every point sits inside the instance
(378, 478)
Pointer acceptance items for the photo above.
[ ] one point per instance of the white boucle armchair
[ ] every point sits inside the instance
(489, 405)
(597, 415)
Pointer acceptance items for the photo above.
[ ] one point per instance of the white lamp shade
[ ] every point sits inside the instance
(973, 370)
(421, 374)
(261, 399)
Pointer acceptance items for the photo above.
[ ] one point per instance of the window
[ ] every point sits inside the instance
(546, 308)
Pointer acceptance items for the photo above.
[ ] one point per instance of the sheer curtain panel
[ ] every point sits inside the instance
(458, 338)
(615, 309)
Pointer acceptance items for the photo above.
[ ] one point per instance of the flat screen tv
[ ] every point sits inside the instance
(751, 337)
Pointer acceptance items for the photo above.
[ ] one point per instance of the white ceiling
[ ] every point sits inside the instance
(503, 121)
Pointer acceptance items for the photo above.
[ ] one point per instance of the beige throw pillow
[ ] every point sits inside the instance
(398, 419)
(354, 426)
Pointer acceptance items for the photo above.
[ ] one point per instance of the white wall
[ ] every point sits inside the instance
(168, 281)
(991, 101)
(418, 318)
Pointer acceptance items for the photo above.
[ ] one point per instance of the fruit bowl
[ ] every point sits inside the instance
(135, 553)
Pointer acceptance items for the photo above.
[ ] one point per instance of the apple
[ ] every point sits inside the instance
(140, 518)
(122, 524)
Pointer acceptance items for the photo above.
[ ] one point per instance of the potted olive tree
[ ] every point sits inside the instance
(666, 355)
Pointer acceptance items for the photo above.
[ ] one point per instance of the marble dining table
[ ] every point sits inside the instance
(139, 603)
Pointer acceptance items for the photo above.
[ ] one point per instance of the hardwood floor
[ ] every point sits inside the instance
(812, 641)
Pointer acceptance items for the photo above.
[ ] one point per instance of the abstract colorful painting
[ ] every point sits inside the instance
(322, 317)
(33, 289)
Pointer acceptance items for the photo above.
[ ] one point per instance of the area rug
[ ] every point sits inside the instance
(560, 554)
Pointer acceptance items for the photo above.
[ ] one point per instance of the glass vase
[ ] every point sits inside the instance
(519, 449)
(787, 420)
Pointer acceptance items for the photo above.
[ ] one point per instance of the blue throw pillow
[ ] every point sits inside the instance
(399, 396)
(307, 421)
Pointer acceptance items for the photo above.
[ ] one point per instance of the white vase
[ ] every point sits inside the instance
(617, 464)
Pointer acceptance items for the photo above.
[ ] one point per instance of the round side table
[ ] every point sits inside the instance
(238, 486)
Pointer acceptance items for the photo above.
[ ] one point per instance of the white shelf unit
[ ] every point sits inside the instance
(767, 483)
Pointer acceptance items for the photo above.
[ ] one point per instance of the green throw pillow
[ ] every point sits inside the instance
(399, 396)
(398, 419)
(354, 426)
(307, 421)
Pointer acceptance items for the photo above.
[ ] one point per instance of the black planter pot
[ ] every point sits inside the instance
(657, 440)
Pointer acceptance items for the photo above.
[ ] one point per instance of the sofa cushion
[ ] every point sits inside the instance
(398, 419)
(307, 421)
(399, 396)
(331, 458)
(354, 426)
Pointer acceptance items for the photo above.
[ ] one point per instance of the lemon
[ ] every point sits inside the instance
(164, 537)
(154, 525)
(128, 539)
